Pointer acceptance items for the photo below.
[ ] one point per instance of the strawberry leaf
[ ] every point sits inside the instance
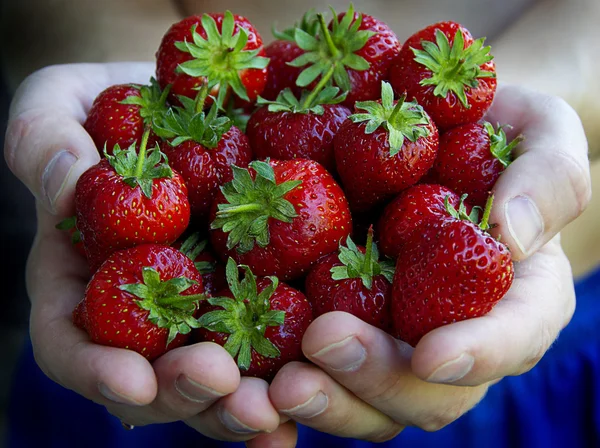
(499, 147)
(308, 24)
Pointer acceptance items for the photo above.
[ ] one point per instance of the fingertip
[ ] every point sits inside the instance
(295, 384)
(328, 329)
(285, 436)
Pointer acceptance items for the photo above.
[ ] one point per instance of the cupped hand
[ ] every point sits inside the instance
(48, 149)
(365, 384)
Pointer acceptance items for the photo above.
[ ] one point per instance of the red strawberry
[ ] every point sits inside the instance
(70, 224)
(412, 209)
(471, 159)
(378, 159)
(202, 148)
(281, 221)
(355, 281)
(450, 271)
(290, 128)
(259, 321)
(451, 75)
(129, 199)
(213, 273)
(358, 47)
(281, 75)
(223, 49)
(143, 299)
(120, 113)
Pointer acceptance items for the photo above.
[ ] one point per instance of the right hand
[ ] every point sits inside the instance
(48, 149)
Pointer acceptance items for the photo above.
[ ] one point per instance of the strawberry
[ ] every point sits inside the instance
(70, 224)
(143, 299)
(260, 322)
(471, 158)
(202, 147)
(213, 273)
(451, 270)
(279, 218)
(224, 50)
(412, 209)
(289, 128)
(451, 75)
(359, 49)
(120, 114)
(129, 199)
(383, 150)
(353, 280)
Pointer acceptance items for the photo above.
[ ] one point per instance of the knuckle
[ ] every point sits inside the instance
(440, 418)
(19, 127)
(578, 176)
(388, 433)
(546, 337)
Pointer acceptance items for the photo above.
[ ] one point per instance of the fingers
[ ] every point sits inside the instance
(308, 395)
(240, 416)
(513, 337)
(376, 368)
(46, 146)
(286, 436)
(548, 184)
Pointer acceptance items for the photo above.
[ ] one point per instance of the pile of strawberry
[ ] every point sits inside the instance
(277, 161)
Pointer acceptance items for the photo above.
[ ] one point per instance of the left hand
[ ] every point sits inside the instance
(369, 385)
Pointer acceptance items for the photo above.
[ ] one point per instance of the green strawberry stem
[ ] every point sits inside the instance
(397, 109)
(139, 168)
(177, 300)
(368, 265)
(484, 225)
(335, 53)
(309, 100)
(244, 208)
(201, 98)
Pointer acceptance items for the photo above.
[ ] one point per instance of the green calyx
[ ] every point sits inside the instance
(191, 122)
(499, 147)
(70, 223)
(194, 246)
(152, 101)
(138, 168)
(365, 266)
(167, 307)
(309, 102)
(220, 56)
(402, 120)
(309, 24)
(250, 204)
(453, 69)
(461, 212)
(245, 317)
(335, 49)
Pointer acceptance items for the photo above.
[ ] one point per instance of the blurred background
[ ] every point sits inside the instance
(36, 33)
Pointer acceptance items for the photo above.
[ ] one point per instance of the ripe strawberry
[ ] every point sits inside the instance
(355, 281)
(358, 47)
(378, 159)
(290, 128)
(450, 271)
(143, 299)
(70, 224)
(282, 51)
(129, 199)
(213, 273)
(451, 75)
(471, 158)
(279, 218)
(120, 113)
(412, 209)
(202, 147)
(259, 321)
(224, 50)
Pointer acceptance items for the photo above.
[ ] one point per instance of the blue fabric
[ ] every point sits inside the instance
(557, 404)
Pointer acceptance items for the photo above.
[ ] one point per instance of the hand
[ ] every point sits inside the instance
(48, 149)
(369, 385)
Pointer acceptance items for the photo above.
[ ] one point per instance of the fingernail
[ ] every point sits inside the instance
(454, 370)
(312, 407)
(346, 355)
(525, 222)
(233, 424)
(55, 177)
(195, 392)
(110, 394)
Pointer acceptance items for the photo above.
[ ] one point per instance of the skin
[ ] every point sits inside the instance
(372, 399)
